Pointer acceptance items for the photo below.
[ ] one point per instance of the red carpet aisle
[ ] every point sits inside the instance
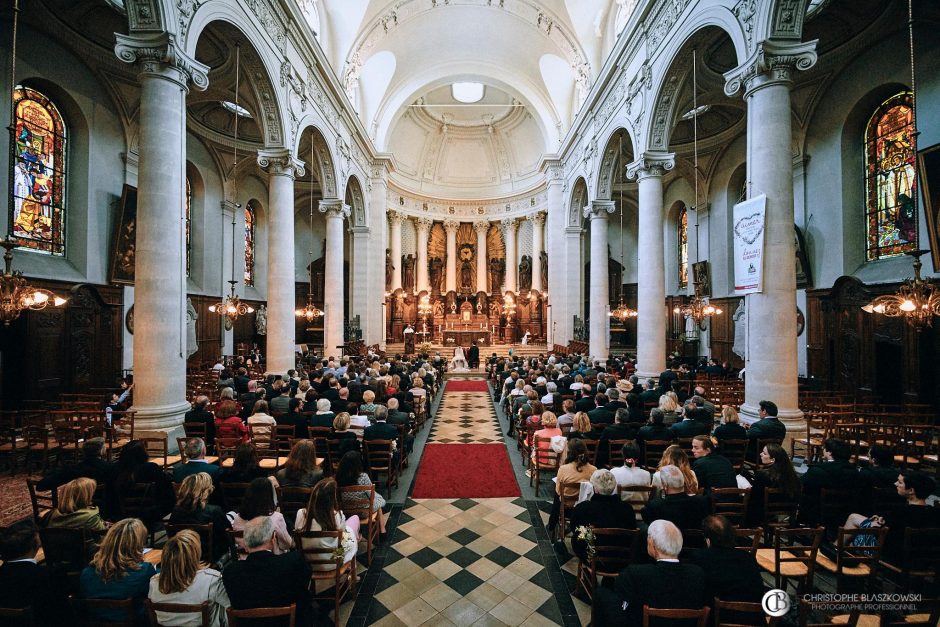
(466, 386)
(454, 471)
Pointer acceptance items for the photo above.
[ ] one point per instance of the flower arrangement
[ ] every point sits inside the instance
(346, 544)
(585, 533)
(425, 347)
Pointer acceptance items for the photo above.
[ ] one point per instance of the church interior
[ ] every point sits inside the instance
(583, 196)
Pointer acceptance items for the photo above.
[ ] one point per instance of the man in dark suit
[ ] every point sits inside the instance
(620, 430)
(769, 426)
(473, 356)
(241, 381)
(835, 471)
(341, 404)
(711, 469)
(195, 451)
(601, 414)
(683, 510)
(91, 466)
(264, 579)
(650, 393)
(25, 583)
(394, 416)
(381, 430)
(666, 584)
(586, 402)
(200, 414)
(655, 430)
(614, 403)
(730, 573)
(693, 425)
(666, 377)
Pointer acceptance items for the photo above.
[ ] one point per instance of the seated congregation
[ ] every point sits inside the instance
(275, 500)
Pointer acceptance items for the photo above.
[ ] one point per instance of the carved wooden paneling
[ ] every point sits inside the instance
(244, 333)
(208, 331)
(721, 332)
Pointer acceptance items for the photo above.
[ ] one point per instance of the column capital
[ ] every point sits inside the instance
(280, 162)
(651, 163)
(481, 226)
(508, 225)
(395, 217)
(537, 218)
(599, 209)
(334, 207)
(424, 224)
(771, 63)
(160, 55)
(451, 226)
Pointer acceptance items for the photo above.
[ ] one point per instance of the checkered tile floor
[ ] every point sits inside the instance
(465, 418)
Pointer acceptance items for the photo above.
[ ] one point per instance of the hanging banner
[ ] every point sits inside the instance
(748, 232)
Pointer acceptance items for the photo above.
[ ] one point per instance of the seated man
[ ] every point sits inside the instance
(601, 414)
(769, 426)
(620, 430)
(656, 429)
(195, 451)
(835, 471)
(395, 418)
(25, 583)
(92, 466)
(381, 430)
(695, 423)
(264, 579)
(604, 510)
(200, 414)
(666, 584)
(712, 469)
(686, 511)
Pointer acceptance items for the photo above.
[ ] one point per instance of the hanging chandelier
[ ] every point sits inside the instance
(917, 300)
(424, 306)
(232, 307)
(622, 312)
(310, 311)
(16, 295)
(698, 309)
(509, 306)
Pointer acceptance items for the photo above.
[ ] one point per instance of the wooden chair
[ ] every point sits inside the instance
(805, 614)
(206, 537)
(359, 500)
(778, 511)
(69, 440)
(614, 550)
(43, 502)
(292, 499)
(653, 452)
(41, 444)
(615, 452)
(157, 449)
(237, 618)
(759, 617)
(637, 496)
(177, 608)
(17, 617)
(379, 457)
(854, 561)
(748, 539)
(731, 503)
(67, 547)
(566, 504)
(544, 460)
(86, 610)
(526, 436)
(928, 618)
(342, 575)
(920, 557)
(196, 430)
(700, 616)
(793, 556)
(233, 494)
(735, 451)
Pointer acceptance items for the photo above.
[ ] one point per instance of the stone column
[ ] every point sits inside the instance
(160, 278)
(512, 268)
(599, 340)
(555, 222)
(333, 304)
(282, 298)
(450, 280)
(423, 283)
(377, 191)
(395, 220)
(481, 228)
(651, 279)
(772, 365)
(538, 245)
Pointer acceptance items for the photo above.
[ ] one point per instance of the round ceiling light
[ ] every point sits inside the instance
(467, 93)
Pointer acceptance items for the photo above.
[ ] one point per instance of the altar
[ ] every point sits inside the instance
(466, 336)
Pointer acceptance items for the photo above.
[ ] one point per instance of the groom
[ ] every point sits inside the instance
(473, 356)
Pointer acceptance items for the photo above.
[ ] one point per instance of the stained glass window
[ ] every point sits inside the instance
(249, 245)
(189, 227)
(890, 183)
(37, 210)
(682, 246)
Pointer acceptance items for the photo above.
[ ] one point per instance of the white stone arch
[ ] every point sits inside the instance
(356, 201)
(434, 76)
(604, 182)
(261, 64)
(672, 70)
(324, 161)
(578, 200)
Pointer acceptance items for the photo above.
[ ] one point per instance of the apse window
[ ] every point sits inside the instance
(238, 110)
(467, 93)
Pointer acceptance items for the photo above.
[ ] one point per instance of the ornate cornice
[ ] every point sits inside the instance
(771, 63)
(280, 163)
(651, 164)
(159, 54)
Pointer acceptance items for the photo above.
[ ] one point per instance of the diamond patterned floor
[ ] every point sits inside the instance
(466, 418)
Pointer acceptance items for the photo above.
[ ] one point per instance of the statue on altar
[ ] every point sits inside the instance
(525, 273)
(452, 302)
(436, 268)
(497, 268)
(544, 257)
(465, 255)
(408, 273)
(459, 361)
(388, 270)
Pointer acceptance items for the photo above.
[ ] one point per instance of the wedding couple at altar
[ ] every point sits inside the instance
(462, 362)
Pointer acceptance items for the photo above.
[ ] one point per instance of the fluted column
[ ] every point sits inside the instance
(481, 228)
(599, 340)
(160, 276)
(450, 282)
(512, 269)
(423, 283)
(538, 246)
(772, 366)
(333, 303)
(395, 220)
(651, 277)
(282, 300)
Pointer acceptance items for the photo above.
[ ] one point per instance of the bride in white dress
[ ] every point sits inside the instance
(459, 362)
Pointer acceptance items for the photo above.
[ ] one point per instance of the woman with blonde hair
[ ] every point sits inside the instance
(544, 436)
(368, 402)
(118, 569)
(669, 406)
(323, 513)
(675, 456)
(341, 431)
(301, 469)
(193, 508)
(730, 427)
(260, 422)
(75, 510)
(186, 581)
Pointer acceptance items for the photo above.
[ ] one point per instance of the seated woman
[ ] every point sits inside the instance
(184, 580)
(75, 510)
(229, 427)
(581, 428)
(367, 407)
(136, 471)
(301, 469)
(675, 456)
(193, 508)
(245, 468)
(575, 470)
(350, 473)
(391, 389)
(261, 421)
(776, 472)
(226, 397)
(670, 410)
(118, 569)
(544, 435)
(259, 501)
(730, 427)
(324, 514)
(604, 510)
(348, 439)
